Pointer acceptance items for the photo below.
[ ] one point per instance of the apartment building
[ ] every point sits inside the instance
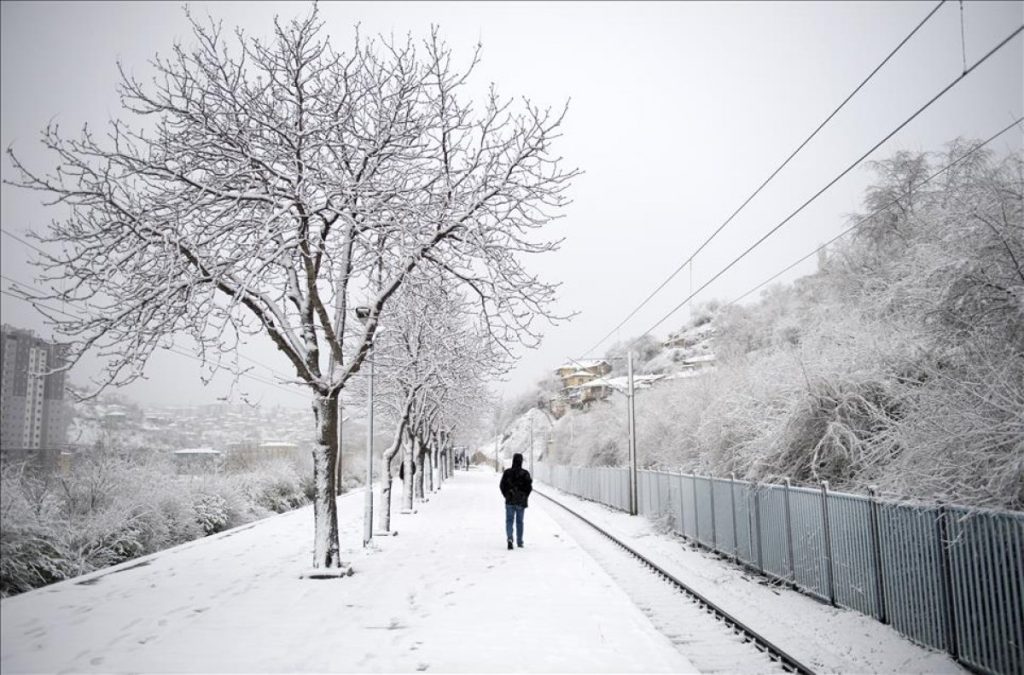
(33, 415)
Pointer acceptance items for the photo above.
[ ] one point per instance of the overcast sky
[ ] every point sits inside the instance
(678, 112)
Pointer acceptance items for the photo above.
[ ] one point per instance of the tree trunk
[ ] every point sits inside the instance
(387, 478)
(407, 492)
(326, 550)
(420, 457)
(439, 459)
(428, 477)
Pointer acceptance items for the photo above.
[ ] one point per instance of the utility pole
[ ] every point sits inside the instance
(531, 443)
(368, 510)
(631, 416)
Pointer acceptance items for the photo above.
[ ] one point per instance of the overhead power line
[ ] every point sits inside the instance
(774, 173)
(863, 219)
(832, 182)
(20, 240)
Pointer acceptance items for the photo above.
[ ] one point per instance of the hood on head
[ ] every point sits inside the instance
(517, 460)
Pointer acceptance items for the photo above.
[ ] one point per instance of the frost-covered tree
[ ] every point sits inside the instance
(261, 189)
(429, 354)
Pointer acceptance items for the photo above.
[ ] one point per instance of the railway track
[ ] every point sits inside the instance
(697, 633)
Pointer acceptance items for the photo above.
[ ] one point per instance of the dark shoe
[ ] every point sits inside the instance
(510, 544)
(520, 544)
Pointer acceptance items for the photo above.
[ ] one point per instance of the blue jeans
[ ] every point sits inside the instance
(514, 513)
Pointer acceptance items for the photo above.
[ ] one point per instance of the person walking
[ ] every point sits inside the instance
(516, 486)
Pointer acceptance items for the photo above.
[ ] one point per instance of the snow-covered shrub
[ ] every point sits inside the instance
(210, 511)
(598, 436)
(224, 501)
(113, 508)
(29, 554)
(29, 558)
(274, 486)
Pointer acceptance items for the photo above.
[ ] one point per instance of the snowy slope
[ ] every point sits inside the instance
(533, 424)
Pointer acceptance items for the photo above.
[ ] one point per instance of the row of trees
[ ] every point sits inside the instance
(435, 363)
(270, 188)
(899, 363)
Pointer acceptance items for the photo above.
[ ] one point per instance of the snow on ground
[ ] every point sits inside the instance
(827, 639)
(443, 595)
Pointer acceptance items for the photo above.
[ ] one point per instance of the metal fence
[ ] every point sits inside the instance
(947, 577)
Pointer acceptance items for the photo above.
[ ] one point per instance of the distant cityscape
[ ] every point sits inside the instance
(42, 423)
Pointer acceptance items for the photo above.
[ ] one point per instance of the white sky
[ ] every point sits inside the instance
(678, 111)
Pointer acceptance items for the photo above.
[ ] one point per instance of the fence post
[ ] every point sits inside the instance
(714, 528)
(876, 545)
(947, 583)
(827, 527)
(696, 511)
(789, 534)
(682, 519)
(757, 521)
(735, 528)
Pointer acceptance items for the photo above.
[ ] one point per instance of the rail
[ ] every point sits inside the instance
(947, 577)
(771, 650)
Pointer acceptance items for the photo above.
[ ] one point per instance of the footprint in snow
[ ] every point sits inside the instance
(422, 667)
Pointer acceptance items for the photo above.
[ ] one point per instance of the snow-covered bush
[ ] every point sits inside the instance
(210, 511)
(29, 558)
(113, 508)
(29, 555)
(275, 487)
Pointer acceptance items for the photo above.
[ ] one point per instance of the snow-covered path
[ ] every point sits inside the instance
(444, 595)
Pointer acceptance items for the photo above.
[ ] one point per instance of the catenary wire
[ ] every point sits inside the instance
(863, 219)
(832, 182)
(781, 166)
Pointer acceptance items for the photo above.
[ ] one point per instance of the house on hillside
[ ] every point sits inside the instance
(693, 366)
(698, 362)
(692, 351)
(247, 454)
(574, 375)
(196, 460)
(278, 450)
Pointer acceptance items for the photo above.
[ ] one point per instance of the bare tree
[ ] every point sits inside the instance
(268, 186)
(434, 357)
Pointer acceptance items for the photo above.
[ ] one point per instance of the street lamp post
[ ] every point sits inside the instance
(531, 443)
(363, 314)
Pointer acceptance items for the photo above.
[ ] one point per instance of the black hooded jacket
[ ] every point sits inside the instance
(516, 483)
